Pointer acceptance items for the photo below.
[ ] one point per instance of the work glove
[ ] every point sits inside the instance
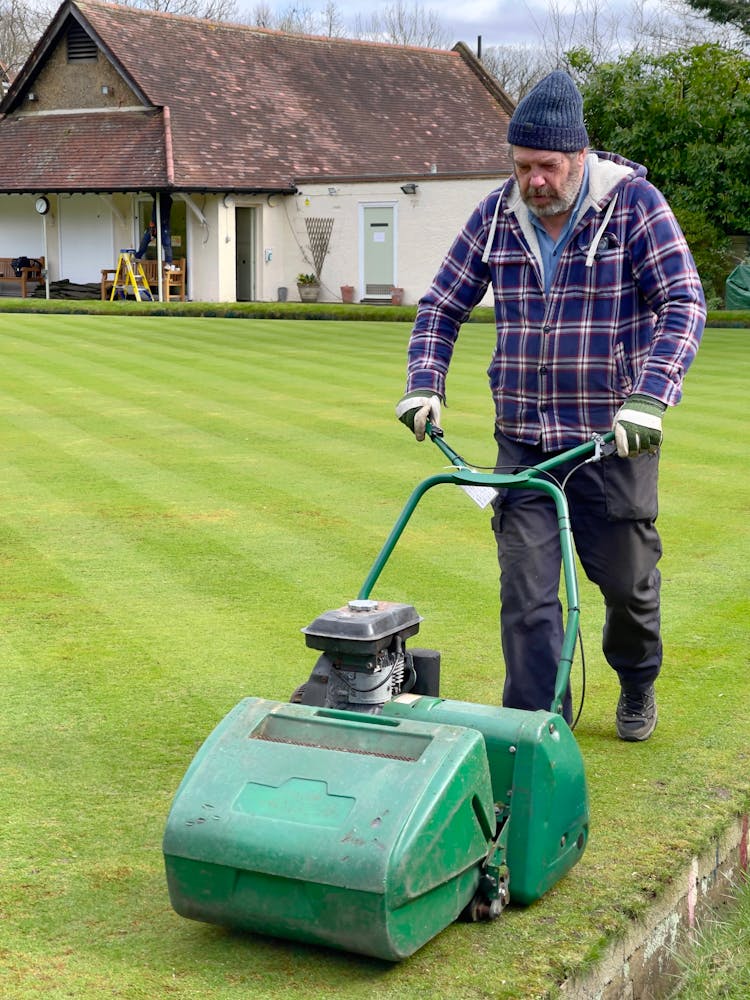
(637, 426)
(416, 408)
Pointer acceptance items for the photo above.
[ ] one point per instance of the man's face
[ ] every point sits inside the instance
(548, 181)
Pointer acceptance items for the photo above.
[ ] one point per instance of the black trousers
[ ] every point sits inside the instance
(613, 508)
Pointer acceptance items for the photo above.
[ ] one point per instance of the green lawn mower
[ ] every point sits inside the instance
(368, 813)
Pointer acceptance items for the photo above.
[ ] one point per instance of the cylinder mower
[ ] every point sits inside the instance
(368, 812)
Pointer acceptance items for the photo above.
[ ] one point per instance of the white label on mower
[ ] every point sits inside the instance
(481, 495)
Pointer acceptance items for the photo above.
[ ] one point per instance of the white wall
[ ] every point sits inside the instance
(427, 223)
(205, 250)
(96, 228)
(86, 234)
(21, 229)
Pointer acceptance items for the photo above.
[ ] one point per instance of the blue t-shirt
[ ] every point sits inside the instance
(551, 249)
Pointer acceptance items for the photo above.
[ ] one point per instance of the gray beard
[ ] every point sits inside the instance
(558, 206)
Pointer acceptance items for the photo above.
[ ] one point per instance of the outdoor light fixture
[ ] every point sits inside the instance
(333, 191)
(409, 188)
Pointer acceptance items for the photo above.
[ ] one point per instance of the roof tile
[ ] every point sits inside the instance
(256, 109)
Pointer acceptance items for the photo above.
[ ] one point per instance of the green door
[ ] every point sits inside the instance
(245, 222)
(379, 251)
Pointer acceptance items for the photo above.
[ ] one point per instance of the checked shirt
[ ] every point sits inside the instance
(624, 312)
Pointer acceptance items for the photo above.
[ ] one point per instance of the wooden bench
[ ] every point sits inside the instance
(173, 283)
(31, 274)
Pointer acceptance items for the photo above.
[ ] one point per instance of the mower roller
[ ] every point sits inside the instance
(367, 813)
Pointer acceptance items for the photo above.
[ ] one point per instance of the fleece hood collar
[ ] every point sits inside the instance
(607, 172)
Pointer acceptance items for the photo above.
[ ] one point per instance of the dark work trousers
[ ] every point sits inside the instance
(613, 507)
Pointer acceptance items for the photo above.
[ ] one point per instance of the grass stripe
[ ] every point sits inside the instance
(179, 497)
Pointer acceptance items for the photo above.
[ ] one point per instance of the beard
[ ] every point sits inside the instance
(560, 201)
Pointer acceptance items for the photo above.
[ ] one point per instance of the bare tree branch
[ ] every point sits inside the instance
(212, 10)
(20, 27)
(401, 24)
(300, 20)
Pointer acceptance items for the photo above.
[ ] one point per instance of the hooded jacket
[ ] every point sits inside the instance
(624, 313)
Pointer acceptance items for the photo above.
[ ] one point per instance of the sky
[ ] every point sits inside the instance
(497, 21)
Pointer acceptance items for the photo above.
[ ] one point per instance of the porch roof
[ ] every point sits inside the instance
(63, 152)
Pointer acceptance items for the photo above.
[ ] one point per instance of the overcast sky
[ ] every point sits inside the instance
(497, 21)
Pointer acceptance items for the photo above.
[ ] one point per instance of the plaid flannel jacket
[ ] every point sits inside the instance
(625, 311)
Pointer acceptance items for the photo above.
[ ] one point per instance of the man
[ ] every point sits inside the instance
(165, 213)
(599, 312)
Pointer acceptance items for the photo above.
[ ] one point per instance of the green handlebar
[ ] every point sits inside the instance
(532, 478)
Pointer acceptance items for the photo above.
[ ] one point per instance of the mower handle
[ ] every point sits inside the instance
(531, 478)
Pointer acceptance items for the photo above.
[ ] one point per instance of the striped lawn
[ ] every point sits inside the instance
(179, 498)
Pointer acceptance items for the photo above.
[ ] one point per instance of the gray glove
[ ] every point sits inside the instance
(637, 426)
(416, 408)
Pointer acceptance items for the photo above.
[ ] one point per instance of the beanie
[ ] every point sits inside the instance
(550, 116)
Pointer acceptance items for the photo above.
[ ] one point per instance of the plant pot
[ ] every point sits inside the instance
(308, 293)
(397, 296)
(347, 294)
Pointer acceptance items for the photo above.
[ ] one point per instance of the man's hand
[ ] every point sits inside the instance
(416, 408)
(637, 426)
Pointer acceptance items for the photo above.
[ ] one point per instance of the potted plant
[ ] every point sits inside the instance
(308, 287)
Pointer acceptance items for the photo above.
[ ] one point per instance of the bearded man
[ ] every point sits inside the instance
(599, 311)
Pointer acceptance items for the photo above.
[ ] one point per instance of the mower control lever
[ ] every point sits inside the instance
(603, 446)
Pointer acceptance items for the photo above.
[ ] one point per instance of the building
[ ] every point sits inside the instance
(274, 148)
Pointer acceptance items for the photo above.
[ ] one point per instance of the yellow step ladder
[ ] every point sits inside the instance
(130, 274)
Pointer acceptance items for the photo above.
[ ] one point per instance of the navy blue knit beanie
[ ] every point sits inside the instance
(550, 116)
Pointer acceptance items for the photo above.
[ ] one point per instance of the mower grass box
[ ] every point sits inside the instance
(358, 832)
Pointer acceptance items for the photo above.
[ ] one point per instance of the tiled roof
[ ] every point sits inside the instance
(106, 151)
(250, 109)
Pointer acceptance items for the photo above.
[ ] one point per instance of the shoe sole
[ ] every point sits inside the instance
(640, 737)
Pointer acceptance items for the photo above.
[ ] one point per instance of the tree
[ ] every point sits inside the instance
(516, 67)
(328, 21)
(397, 23)
(601, 30)
(686, 116)
(212, 10)
(401, 24)
(20, 26)
(733, 12)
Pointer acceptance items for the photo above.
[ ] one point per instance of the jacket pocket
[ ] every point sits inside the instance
(623, 371)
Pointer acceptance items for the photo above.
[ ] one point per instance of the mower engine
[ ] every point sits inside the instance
(364, 663)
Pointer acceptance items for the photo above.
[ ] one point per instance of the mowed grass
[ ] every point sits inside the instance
(179, 498)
